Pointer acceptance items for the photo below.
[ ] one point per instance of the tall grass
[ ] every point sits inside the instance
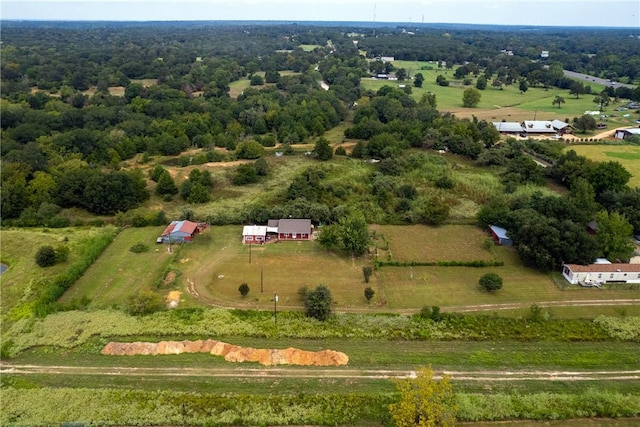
(46, 406)
(62, 329)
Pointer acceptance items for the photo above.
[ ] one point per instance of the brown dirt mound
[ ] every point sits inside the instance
(230, 352)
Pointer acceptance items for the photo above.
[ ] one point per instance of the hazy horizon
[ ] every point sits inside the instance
(562, 13)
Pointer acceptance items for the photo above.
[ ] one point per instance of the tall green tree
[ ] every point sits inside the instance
(577, 89)
(471, 97)
(523, 86)
(584, 123)
(318, 302)
(608, 176)
(583, 196)
(424, 402)
(418, 80)
(614, 232)
(558, 100)
(481, 83)
(602, 100)
(166, 185)
(354, 234)
(323, 150)
(429, 99)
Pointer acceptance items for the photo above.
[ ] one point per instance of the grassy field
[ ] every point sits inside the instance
(309, 47)
(453, 243)
(627, 155)
(120, 273)
(218, 265)
(19, 247)
(210, 270)
(364, 354)
(507, 104)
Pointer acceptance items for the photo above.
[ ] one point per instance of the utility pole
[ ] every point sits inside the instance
(249, 252)
(275, 308)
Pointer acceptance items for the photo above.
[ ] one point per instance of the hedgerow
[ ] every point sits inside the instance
(128, 407)
(476, 263)
(626, 329)
(547, 406)
(48, 406)
(53, 289)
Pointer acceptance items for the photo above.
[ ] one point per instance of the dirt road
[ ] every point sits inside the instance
(337, 373)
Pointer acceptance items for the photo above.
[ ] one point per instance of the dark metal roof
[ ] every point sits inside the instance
(294, 226)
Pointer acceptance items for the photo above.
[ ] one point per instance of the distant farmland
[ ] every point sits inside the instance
(627, 155)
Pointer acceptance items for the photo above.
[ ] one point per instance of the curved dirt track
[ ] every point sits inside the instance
(337, 373)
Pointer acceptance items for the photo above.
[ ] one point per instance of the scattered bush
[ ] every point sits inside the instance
(491, 282)
(144, 302)
(432, 313)
(62, 254)
(317, 303)
(367, 271)
(369, 293)
(139, 248)
(46, 256)
(425, 401)
(243, 289)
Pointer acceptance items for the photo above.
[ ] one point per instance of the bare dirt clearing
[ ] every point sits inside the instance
(230, 352)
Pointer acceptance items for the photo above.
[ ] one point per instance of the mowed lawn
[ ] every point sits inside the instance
(423, 243)
(627, 155)
(120, 273)
(215, 267)
(210, 270)
(458, 286)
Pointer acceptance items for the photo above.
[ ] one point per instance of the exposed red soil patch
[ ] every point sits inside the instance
(230, 352)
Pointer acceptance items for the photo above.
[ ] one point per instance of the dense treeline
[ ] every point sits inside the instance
(610, 53)
(551, 230)
(63, 147)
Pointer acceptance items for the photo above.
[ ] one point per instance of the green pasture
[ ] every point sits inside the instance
(430, 244)
(120, 273)
(210, 270)
(536, 99)
(627, 155)
(216, 268)
(238, 86)
(411, 287)
(19, 247)
(309, 47)
(507, 103)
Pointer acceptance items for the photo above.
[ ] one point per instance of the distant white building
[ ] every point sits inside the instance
(601, 273)
(533, 127)
(626, 133)
(544, 54)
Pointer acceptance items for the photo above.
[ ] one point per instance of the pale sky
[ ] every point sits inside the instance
(588, 13)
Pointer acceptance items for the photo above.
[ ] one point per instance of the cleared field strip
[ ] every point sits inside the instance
(490, 375)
